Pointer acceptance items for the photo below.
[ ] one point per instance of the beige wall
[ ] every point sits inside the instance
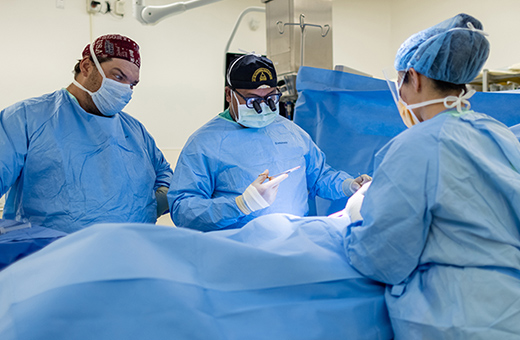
(362, 35)
(498, 17)
(182, 57)
(182, 72)
(368, 33)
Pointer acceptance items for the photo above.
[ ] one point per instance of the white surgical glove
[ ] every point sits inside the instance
(354, 203)
(351, 185)
(259, 195)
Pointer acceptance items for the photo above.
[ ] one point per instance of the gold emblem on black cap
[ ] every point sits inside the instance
(262, 74)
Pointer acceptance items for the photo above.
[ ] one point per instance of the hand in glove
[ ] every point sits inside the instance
(353, 207)
(259, 195)
(354, 203)
(350, 186)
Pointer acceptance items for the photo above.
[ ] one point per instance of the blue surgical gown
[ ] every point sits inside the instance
(441, 228)
(222, 158)
(67, 169)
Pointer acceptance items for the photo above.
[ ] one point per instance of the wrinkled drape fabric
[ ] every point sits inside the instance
(279, 277)
(350, 117)
(18, 243)
(516, 130)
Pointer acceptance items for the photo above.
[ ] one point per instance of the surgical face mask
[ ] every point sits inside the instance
(407, 115)
(406, 111)
(457, 101)
(112, 96)
(249, 118)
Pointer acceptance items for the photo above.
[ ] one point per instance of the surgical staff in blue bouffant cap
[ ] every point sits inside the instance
(452, 52)
(440, 221)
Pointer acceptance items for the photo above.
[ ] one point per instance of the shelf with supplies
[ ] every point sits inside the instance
(497, 80)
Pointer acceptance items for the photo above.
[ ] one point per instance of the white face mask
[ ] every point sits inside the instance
(456, 101)
(112, 96)
(409, 117)
(249, 118)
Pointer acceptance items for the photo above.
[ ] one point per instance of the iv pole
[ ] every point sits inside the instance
(281, 27)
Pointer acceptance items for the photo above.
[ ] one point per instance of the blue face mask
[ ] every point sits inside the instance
(112, 96)
(249, 118)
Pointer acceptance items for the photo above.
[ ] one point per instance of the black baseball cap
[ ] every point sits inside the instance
(251, 71)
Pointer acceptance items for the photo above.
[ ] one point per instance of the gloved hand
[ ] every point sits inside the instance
(350, 186)
(162, 201)
(259, 195)
(354, 203)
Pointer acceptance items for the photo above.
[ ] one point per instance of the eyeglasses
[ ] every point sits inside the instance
(254, 102)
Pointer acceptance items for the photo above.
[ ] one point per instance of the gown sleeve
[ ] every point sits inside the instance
(322, 179)
(191, 200)
(388, 244)
(162, 168)
(14, 143)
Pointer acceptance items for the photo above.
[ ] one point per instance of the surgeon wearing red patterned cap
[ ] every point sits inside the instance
(104, 88)
(73, 158)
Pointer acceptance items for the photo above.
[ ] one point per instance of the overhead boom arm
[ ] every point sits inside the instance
(150, 15)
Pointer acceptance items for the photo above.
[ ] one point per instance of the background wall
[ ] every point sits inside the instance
(182, 74)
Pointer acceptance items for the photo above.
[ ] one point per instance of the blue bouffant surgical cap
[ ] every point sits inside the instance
(453, 51)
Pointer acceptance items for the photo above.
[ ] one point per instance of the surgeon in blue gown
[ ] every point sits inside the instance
(216, 183)
(72, 158)
(441, 217)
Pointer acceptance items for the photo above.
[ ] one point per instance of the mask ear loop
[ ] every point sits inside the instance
(238, 104)
(98, 66)
(458, 101)
(96, 62)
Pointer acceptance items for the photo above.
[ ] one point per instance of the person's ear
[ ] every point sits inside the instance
(85, 66)
(232, 104)
(415, 79)
(228, 94)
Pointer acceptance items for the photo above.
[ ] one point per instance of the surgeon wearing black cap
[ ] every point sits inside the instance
(216, 184)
